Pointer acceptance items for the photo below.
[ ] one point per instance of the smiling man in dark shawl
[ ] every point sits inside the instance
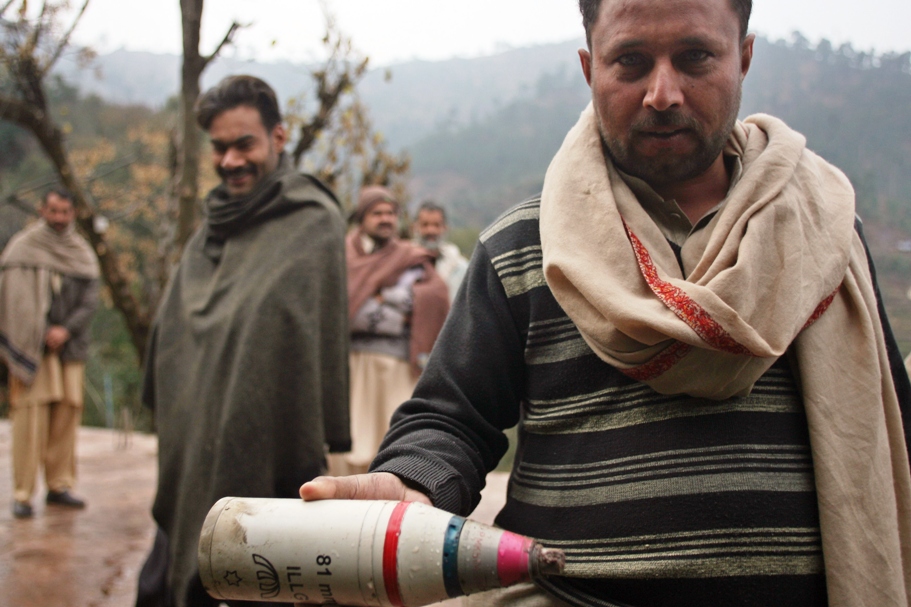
(247, 366)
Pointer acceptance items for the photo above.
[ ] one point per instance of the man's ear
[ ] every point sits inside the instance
(586, 58)
(279, 137)
(746, 55)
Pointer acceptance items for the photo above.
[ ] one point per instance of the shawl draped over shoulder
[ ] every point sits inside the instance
(247, 364)
(26, 268)
(779, 269)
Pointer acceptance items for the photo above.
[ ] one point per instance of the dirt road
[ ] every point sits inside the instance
(91, 557)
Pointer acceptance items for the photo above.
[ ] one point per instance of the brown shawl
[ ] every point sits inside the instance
(779, 265)
(368, 273)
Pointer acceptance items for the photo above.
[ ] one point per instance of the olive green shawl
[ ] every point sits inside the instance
(247, 369)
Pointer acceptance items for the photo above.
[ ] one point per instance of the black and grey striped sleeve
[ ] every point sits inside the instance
(450, 434)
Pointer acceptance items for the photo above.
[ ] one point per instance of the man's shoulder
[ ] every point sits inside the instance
(21, 238)
(518, 226)
(450, 250)
(24, 246)
(303, 187)
(307, 205)
(13, 246)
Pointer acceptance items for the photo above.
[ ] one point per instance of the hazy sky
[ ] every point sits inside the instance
(395, 30)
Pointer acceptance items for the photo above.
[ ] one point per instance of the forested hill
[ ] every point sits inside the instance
(854, 109)
(406, 100)
(481, 132)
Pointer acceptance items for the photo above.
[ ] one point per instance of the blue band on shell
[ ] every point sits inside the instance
(451, 557)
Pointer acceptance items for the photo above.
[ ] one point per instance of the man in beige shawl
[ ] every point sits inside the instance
(48, 295)
(686, 327)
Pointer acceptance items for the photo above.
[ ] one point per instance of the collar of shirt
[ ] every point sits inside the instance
(667, 214)
(368, 244)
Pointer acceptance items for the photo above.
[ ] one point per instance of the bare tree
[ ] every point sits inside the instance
(186, 191)
(335, 137)
(29, 48)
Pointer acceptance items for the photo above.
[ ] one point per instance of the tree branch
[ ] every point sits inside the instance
(32, 44)
(64, 41)
(6, 6)
(328, 99)
(225, 41)
(21, 113)
(14, 201)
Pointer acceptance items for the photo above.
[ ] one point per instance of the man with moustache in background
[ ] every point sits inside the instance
(396, 304)
(686, 328)
(247, 363)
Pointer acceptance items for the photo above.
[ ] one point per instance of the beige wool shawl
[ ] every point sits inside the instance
(779, 266)
(29, 265)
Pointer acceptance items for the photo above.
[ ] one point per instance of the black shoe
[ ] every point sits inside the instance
(22, 509)
(64, 498)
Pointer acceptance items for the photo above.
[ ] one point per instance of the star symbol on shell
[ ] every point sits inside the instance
(232, 578)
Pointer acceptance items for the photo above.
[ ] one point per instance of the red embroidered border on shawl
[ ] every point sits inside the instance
(669, 357)
(681, 304)
(821, 308)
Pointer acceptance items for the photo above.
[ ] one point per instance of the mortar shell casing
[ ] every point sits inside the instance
(349, 552)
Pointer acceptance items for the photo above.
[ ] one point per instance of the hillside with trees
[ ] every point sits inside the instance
(853, 107)
(480, 134)
(135, 173)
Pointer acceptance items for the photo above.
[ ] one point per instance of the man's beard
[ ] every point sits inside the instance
(668, 169)
(430, 245)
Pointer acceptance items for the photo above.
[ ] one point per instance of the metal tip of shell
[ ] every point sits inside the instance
(548, 561)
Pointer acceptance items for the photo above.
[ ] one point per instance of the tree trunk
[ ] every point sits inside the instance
(50, 137)
(187, 190)
(27, 107)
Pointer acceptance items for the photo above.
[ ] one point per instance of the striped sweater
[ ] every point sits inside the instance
(657, 500)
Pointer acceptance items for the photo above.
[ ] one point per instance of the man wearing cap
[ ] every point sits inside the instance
(396, 306)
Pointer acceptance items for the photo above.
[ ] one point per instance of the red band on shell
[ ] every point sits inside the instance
(390, 554)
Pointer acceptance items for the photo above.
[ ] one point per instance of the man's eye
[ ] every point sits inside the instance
(695, 56)
(629, 60)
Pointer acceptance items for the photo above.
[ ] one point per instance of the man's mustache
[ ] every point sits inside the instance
(667, 119)
(247, 169)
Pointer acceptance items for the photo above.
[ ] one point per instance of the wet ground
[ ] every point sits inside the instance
(91, 557)
(68, 558)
